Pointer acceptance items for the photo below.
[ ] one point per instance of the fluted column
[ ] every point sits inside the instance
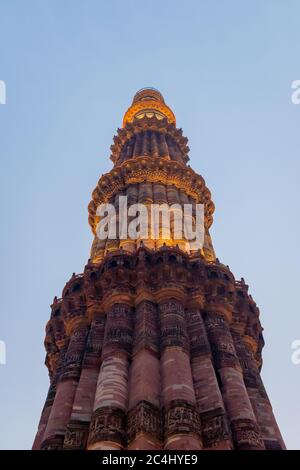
(145, 144)
(129, 149)
(181, 418)
(107, 429)
(245, 430)
(154, 144)
(174, 150)
(214, 425)
(49, 402)
(78, 426)
(256, 391)
(163, 146)
(43, 422)
(144, 423)
(66, 388)
(138, 145)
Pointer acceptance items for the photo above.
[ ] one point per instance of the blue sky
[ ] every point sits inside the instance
(71, 69)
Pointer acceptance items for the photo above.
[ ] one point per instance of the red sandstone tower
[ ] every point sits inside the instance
(154, 346)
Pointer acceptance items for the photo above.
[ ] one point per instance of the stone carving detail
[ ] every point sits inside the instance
(146, 334)
(173, 325)
(74, 354)
(214, 321)
(214, 428)
(172, 307)
(146, 418)
(174, 335)
(181, 417)
(53, 443)
(246, 435)
(108, 424)
(272, 445)
(96, 337)
(118, 333)
(221, 341)
(199, 343)
(76, 436)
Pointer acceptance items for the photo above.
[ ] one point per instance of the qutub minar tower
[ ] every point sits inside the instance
(154, 346)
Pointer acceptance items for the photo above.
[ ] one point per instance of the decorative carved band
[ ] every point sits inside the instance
(272, 445)
(215, 429)
(53, 443)
(181, 417)
(152, 105)
(76, 435)
(146, 418)
(199, 344)
(146, 334)
(154, 170)
(108, 424)
(173, 325)
(246, 435)
(74, 355)
(128, 134)
(119, 329)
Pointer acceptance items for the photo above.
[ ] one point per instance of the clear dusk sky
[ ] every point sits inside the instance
(71, 69)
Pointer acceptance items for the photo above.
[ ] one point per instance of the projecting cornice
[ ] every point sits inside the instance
(151, 170)
(148, 106)
(149, 122)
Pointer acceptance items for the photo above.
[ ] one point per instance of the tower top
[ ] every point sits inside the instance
(148, 102)
(148, 93)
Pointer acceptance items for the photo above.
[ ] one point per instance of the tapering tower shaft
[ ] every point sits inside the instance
(155, 345)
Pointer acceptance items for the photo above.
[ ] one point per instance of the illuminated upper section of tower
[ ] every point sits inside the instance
(150, 156)
(148, 102)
